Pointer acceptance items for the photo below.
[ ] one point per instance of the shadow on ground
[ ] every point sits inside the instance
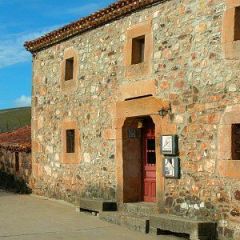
(14, 184)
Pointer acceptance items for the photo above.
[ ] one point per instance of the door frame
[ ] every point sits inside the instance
(148, 106)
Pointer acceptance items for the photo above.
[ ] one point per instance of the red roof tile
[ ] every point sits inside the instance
(116, 10)
(18, 140)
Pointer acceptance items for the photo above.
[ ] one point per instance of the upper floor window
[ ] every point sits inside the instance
(70, 141)
(69, 65)
(138, 47)
(231, 30)
(237, 24)
(69, 70)
(138, 50)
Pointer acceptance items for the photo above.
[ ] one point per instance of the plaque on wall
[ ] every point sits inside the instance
(169, 144)
(172, 167)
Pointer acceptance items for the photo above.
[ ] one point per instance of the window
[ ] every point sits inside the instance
(151, 154)
(138, 47)
(138, 50)
(70, 141)
(16, 161)
(237, 24)
(69, 69)
(231, 30)
(235, 141)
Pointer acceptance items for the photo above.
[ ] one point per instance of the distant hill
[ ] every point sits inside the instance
(14, 118)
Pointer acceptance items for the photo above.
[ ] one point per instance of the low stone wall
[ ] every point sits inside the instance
(8, 164)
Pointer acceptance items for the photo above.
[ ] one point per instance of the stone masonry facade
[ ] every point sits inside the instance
(192, 64)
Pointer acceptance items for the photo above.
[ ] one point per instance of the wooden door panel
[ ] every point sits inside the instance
(150, 174)
(149, 164)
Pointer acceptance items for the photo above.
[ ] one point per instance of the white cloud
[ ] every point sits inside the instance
(23, 101)
(83, 10)
(11, 47)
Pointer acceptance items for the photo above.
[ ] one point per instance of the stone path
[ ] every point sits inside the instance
(28, 217)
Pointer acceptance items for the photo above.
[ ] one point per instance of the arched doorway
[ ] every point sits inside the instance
(129, 179)
(139, 160)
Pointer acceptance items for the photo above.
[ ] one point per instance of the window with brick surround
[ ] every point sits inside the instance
(70, 141)
(237, 24)
(69, 65)
(16, 161)
(235, 141)
(138, 47)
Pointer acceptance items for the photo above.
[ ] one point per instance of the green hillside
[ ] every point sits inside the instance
(11, 119)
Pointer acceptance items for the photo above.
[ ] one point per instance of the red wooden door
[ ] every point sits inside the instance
(149, 163)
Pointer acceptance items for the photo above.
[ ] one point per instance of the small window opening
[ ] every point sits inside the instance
(236, 142)
(70, 140)
(69, 69)
(151, 155)
(16, 161)
(237, 24)
(138, 46)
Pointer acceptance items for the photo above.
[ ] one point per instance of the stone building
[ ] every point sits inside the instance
(15, 153)
(107, 87)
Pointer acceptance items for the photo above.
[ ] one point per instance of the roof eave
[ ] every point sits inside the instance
(95, 20)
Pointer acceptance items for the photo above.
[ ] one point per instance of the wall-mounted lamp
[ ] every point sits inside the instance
(140, 124)
(163, 112)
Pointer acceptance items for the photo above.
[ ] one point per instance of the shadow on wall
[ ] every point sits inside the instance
(14, 184)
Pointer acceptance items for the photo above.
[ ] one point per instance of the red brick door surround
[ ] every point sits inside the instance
(148, 106)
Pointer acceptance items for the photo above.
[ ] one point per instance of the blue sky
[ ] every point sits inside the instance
(22, 20)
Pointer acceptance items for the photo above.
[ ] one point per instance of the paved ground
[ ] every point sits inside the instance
(28, 217)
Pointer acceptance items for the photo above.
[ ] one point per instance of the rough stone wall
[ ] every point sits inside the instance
(7, 164)
(190, 71)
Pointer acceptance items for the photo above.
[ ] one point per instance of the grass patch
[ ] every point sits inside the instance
(11, 119)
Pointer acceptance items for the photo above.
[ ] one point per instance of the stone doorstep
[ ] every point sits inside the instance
(140, 224)
(140, 209)
(97, 205)
(196, 229)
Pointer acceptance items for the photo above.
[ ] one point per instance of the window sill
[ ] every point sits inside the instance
(232, 50)
(71, 158)
(229, 168)
(69, 85)
(138, 70)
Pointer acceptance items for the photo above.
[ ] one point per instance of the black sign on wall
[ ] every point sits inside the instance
(134, 133)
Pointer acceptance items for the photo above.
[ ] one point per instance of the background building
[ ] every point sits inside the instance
(15, 154)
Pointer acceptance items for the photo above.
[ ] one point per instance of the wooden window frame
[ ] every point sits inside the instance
(138, 46)
(69, 69)
(70, 141)
(235, 149)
